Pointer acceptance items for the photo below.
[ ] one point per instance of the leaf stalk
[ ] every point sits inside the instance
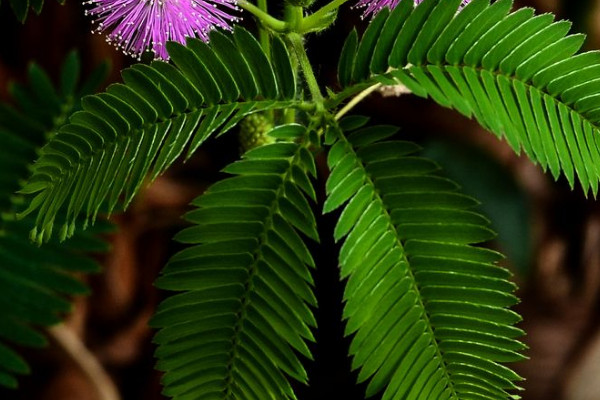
(325, 15)
(264, 17)
(356, 99)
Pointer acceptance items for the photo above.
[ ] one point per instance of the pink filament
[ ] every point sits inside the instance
(137, 25)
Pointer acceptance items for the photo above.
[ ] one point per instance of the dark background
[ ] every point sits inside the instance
(550, 233)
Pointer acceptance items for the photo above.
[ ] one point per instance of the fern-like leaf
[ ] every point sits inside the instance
(140, 127)
(35, 282)
(515, 72)
(246, 280)
(428, 310)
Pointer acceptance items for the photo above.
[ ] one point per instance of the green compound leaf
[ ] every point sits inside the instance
(428, 311)
(137, 129)
(516, 73)
(242, 313)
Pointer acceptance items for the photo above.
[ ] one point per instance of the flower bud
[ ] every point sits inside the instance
(253, 132)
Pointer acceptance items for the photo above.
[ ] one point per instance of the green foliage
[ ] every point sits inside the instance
(35, 282)
(516, 73)
(503, 200)
(234, 331)
(139, 128)
(428, 310)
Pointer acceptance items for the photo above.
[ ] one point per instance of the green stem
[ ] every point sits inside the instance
(322, 14)
(293, 17)
(265, 42)
(263, 35)
(265, 19)
(289, 115)
(356, 99)
(327, 8)
(311, 81)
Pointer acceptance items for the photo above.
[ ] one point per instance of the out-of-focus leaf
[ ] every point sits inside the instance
(503, 201)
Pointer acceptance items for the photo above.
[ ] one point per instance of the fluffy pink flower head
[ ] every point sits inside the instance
(137, 25)
(372, 7)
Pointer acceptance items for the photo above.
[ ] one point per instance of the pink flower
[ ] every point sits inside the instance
(372, 7)
(139, 25)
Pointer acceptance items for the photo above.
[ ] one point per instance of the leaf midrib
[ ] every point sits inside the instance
(143, 128)
(414, 285)
(257, 256)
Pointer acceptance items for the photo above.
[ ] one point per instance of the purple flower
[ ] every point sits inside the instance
(137, 25)
(372, 7)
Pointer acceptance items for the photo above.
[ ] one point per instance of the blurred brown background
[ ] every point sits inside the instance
(555, 232)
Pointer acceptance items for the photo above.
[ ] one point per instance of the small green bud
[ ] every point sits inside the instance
(253, 131)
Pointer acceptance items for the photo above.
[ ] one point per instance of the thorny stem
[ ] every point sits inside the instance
(297, 43)
(293, 16)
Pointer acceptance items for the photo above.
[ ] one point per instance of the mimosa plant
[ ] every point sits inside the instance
(427, 307)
